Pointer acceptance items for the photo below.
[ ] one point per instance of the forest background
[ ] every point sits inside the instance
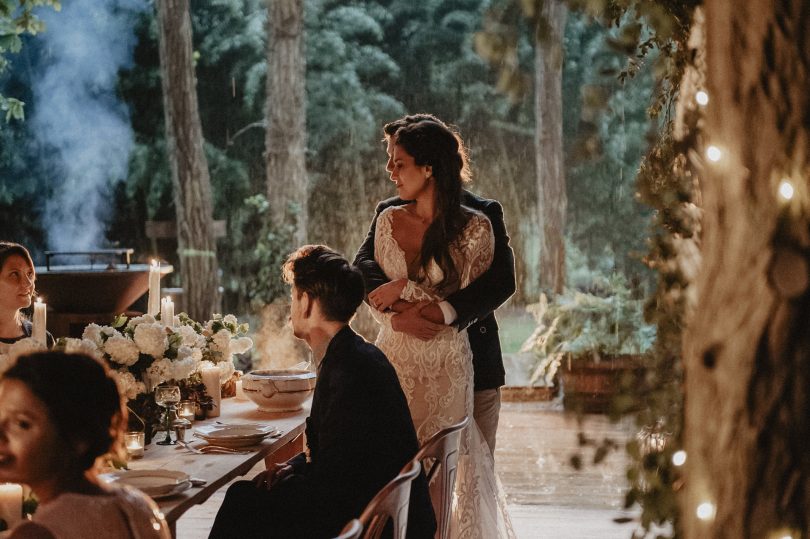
(94, 140)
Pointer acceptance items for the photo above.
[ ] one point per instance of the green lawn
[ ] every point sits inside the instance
(515, 327)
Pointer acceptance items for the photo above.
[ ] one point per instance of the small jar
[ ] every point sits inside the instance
(185, 410)
(180, 426)
(134, 442)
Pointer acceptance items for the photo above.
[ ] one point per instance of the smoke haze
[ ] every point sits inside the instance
(78, 121)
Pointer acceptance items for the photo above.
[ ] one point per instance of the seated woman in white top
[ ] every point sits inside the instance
(58, 414)
(17, 288)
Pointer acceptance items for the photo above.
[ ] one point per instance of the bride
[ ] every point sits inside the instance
(429, 248)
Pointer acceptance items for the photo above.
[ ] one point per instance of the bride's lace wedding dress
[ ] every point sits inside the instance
(437, 375)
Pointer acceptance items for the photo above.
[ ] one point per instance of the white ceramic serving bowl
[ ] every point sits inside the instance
(279, 390)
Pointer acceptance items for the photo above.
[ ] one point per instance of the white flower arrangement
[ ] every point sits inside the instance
(143, 352)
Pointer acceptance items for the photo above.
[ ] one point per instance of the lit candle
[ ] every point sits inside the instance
(185, 410)
(38, 331)
(167, 311)
(153, 306)
(240, 392)
(210, 379)
(134, 442)
(11, 503)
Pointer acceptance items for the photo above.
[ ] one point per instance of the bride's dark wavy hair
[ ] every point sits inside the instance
(432, 143)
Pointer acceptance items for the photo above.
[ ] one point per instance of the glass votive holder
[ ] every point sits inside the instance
(185, 410)
(134, 441)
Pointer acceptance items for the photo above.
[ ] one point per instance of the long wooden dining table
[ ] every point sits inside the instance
(219, 469)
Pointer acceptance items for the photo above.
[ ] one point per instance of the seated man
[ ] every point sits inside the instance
(359, 432)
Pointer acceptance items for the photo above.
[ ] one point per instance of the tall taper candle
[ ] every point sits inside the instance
(210, 378)
(11, 503)
(153, 306)
(40, 316)
(167, 311)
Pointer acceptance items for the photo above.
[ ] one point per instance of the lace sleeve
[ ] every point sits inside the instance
(477, 248)
(414, 292)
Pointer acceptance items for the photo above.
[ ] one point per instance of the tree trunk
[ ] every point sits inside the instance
(747, 344)
(551, 196)
(285, 142)
(192, 185)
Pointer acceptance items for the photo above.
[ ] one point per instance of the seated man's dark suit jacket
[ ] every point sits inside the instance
(360, 435)
(474, 304)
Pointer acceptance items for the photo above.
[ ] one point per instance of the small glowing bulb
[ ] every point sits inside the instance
(679, 458)
(714, 153)
(786, 189)
(705, 511)
(702, 98)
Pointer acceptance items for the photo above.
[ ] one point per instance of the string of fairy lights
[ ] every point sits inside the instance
(706, 510)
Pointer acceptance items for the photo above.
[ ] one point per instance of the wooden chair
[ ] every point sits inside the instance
(391, 502)
(352, 530)
(443, 449)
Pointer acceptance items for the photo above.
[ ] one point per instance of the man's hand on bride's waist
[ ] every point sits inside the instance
(419, 320)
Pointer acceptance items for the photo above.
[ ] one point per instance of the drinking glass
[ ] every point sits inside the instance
(167, 396)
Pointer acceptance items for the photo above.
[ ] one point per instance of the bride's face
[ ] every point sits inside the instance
(412, 180)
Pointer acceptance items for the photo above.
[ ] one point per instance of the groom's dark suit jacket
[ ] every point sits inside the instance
(475, 303)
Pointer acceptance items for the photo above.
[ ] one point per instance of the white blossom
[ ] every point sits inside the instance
(128, 386)
(93, 332)
(151, 339)
(230, 319)
(182, 368)
(138, 320)
(221, 342)
(122, 350)
(190, 337)
(160, 371)
(82, 346)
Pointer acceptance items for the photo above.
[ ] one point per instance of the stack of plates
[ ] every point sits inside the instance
(155, 483)
(234, 435)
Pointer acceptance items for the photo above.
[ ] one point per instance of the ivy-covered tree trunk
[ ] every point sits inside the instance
(285, 142)
(747, 345)
(548, 145)
(192, 185)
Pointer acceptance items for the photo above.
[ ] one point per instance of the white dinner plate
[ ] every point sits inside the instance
(234, 436)
(234, 432)
(154, 483)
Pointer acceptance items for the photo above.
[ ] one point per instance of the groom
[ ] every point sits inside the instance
(359, 432)
(470, 308)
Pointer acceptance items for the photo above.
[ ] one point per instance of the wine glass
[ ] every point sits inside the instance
(167, 396)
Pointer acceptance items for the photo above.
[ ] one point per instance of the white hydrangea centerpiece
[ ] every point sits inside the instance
(144, 352)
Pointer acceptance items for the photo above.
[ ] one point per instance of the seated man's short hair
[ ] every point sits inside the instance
(328, 277)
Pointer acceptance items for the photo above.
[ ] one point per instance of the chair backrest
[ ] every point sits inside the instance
(443, 449)
(391, 502)
(351, 530)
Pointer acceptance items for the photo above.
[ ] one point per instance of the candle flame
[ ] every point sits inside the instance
(39, 299)
(154, 263)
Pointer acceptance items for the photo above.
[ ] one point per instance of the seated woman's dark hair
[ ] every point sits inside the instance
(82, 399)
(324, 274)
